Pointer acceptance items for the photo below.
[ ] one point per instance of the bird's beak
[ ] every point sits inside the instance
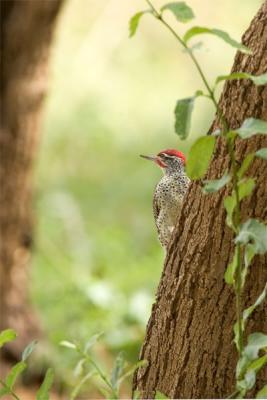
(151, 158)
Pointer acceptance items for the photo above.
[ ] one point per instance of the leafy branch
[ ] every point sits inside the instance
(88, 368)
(7, 336)
(250, 238)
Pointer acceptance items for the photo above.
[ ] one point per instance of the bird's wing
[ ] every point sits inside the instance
(156, 209)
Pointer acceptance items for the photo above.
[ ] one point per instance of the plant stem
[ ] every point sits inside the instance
(238, 277)
(10, 391)
(195, 61)
(100, 373)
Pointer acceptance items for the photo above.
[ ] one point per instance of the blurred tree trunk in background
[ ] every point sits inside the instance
(27, 28)
(188, 342)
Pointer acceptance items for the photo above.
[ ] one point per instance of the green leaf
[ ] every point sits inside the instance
(248, 382)
(197, 30)
(14, 373)
(245, 188)
(255, 232)
(134, 22)
(216, 184)
(231, 77)
(183, 111)
(260, 79)
(79, 367)
(256, 342)
(66, 343)
(200, 93)
(43, 392)
(230, 204)
(136, 395)
(245, 164)
(248, 311)
(131, 370)
(262, 394)
(180, 9)
(117, 370)
(78, 387)
(199, 157)
(246, 359)
(257, 364)
(262, 153)
(160, 395)
(242, 365)
(248, 257)
(4, 391)
(7, 336)
(92, 341)
(257, 80)
(231, 269)
(28, 350)
(252, 126)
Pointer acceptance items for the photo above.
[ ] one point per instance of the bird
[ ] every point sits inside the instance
(169, 192)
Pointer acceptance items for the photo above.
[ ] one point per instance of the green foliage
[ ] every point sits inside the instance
(181, 11)
(250, 362)
(255, 232)
(14, 373)
(28, 350)
(134, 22)
(197, 30)
(88, 368)
(252, 126)
(199, 157)
(248, 257)
(250, 236)
(262, 394)
(183, 111)
(231, 269)
(43, 392)
(246, 314)
(216, 184)
(256, 342)
(18, 368)
(160, 395)
(7, 336)
(262, 153)
(245, 165)
(245, 187)
(257, 80)
(230, 204)
(248, 311)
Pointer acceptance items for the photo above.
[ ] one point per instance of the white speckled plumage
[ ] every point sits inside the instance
(169, 192)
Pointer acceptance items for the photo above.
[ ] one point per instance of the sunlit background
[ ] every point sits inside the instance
(97, 260)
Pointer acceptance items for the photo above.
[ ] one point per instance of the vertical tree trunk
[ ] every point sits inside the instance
(188, 343)
(26, 37)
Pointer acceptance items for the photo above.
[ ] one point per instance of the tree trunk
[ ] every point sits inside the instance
(189, 339)
(26, 37)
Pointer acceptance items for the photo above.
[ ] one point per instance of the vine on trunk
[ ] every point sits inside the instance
(250, 237)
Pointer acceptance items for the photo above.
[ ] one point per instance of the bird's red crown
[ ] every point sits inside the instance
(173, 152)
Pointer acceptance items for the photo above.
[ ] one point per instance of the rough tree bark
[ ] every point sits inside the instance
(26, 35)
(188, 341)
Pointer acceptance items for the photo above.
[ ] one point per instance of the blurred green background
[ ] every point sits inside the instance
(97, 260)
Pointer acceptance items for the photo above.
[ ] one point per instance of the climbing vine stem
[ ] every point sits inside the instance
(233, 166)
(247, 236)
